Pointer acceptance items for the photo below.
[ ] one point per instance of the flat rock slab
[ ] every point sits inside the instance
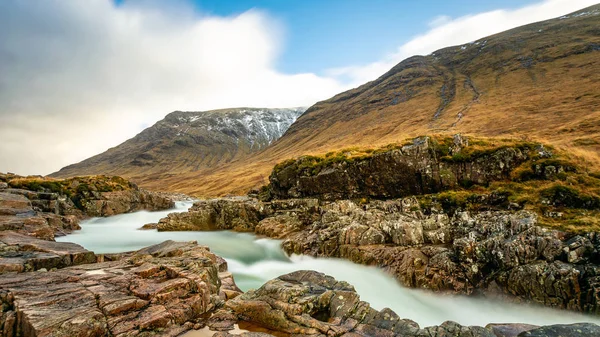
(21, 253)
(161, 291)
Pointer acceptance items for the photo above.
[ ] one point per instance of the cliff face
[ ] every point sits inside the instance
(186, 141)
(423, 166)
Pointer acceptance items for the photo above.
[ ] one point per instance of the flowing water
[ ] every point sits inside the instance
(255, 261)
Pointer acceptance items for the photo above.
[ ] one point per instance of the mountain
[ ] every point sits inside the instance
(186, 141)
(537, 82)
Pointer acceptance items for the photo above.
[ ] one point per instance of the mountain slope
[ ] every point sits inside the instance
(189, 141)
(539, 81)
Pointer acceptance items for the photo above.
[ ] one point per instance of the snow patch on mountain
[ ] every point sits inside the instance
(257, 127)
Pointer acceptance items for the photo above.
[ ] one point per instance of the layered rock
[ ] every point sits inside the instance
(494, 253)
(308, 303)
(162, 290)
(421, 167)
(18, 213)
(45, 207)
(23, 253)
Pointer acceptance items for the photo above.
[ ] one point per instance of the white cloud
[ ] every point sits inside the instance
(81, 76)
(445, 31)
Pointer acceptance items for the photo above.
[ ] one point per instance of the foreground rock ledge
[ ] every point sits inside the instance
(162, 290)
(308, 303)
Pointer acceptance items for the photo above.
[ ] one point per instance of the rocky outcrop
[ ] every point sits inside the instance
(241, 214)
(112, 203)
(162, 290)
(18, 213)
(308, 303)
(421, 167)
(493, 253)
(23, 253)
(46, 207)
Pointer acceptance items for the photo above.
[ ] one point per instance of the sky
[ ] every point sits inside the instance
(78, 77)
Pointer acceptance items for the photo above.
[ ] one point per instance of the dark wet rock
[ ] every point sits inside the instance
(564, 330)
(419, 168)
(162, 290)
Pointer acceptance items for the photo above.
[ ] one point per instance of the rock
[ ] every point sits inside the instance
(510, 330)
(414, 169)
(243, 334)
(47, 208)
(309, 303)
(228, 289)
(240, 214)
(118, 202)
(21, 253)
(563, 330)
(149, 226)
(162, 290)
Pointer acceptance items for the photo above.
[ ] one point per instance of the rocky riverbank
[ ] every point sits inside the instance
(174, 287)
(491, 223)
(48, 207)
(494, 253)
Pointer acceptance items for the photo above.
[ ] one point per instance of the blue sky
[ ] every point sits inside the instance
(323, 34)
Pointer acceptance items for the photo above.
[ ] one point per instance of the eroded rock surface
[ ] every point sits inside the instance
(18, 213)
(162, 290)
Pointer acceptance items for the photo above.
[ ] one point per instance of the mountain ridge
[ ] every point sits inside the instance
(186, 141)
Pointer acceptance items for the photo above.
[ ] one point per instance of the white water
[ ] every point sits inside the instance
(255, 261)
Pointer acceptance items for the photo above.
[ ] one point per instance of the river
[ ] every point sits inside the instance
(255, 261)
